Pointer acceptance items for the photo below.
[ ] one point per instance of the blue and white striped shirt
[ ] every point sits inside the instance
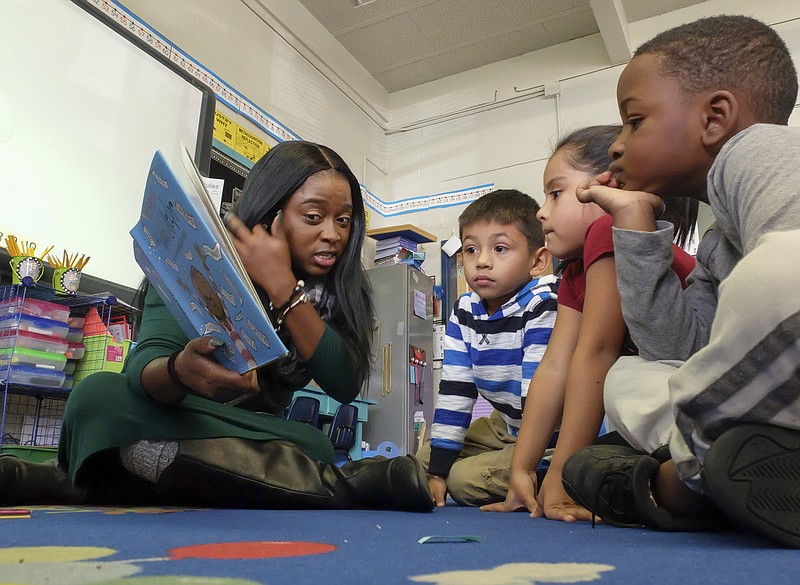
(491, 355)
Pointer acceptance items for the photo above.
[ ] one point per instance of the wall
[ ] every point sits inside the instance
(274, 53)
(78, 128)
(508, 145)
(248, 47)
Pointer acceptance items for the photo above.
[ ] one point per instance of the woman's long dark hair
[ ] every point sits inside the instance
(272, 180)
(588, 151)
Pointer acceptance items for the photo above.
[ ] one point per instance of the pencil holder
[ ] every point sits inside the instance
(66, 280)
(26, 267)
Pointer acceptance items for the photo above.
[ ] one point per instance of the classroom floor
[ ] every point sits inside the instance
(165, 546)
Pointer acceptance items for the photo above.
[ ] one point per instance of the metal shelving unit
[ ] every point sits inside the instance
(31, 413)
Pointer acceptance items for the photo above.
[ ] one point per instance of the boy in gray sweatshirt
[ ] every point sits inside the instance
(705, 107)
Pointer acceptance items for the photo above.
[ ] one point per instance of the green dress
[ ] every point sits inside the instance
(108, 410)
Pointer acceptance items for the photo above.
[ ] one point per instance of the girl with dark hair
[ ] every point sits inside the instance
(589, 335)
(178, 428)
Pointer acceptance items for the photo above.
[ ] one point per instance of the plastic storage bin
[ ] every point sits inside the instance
(32, 357)
(75, 334)
(31, 376)
(75, 351)
(30, 340)
(103, 353)
(35, 307)
(36, 319)
(40, 325)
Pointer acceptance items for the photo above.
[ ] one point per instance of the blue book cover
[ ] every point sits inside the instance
(185, 251)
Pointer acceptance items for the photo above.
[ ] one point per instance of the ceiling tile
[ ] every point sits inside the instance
(340, 15)
(407, 42)
(400, 78)
(580, 23)
(637, 10)
(479, 54)
(515, 43)
(450, 63)
(387, 43)
(448, 23)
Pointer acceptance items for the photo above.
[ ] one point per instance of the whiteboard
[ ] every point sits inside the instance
(82, 111)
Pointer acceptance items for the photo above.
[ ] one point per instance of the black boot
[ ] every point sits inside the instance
(23, 482)
(239, 473)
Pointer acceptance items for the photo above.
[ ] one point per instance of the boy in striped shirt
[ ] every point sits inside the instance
(494, 341)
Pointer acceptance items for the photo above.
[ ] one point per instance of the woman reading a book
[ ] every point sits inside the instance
(178, 428)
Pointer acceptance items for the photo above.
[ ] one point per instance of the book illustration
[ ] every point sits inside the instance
(214, 252)
(188, 218)
(216, 309)
(238, 295)
(185, 251)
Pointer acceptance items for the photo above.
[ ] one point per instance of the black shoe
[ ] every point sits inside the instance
(613, 483)
(752, 473)
(25, 482)
(604, 479)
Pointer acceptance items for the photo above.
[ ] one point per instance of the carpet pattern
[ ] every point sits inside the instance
(165, 546)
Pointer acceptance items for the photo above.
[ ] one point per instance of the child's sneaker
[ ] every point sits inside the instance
(752, 473)
(613, 483)
(603, 479)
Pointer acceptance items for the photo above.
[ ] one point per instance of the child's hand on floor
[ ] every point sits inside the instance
(521, 494)
(438, 487)
(555, 504)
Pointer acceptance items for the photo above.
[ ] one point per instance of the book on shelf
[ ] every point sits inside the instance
(398, 256)
(395, 243)
(393, 252)
(185, 251)
(405, 257)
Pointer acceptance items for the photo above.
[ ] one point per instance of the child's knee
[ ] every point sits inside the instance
(472, 485)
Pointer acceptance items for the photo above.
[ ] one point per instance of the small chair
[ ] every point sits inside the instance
(304, 409)
(342, 432)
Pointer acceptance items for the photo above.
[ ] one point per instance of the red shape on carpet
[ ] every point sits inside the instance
(250, 550)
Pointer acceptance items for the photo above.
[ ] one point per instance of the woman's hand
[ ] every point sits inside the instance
(521, 494)
(196, 368)
(265, 255)
(555, 504)
(632, 210)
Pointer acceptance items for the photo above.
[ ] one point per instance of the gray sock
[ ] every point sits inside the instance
(148, 459)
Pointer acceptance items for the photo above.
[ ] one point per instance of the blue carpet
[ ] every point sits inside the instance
(158, 546)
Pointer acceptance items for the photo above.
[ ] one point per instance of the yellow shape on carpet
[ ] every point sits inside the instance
(52, 554)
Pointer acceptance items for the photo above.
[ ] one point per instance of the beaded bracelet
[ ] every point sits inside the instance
(303, 298)
(173, 375)
(298, 288)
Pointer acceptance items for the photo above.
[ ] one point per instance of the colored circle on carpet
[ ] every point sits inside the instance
(179, 580)
(52, 554)
(250, 550)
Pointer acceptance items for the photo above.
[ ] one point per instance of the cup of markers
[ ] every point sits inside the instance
(67, 272)
(26, 268)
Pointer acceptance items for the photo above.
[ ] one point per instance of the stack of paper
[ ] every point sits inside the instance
(397, 249)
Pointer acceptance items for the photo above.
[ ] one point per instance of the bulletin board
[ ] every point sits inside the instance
(84, 104)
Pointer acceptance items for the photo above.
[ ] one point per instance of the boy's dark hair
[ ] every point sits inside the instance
(587, 149)
(506, 207)
(733, 53)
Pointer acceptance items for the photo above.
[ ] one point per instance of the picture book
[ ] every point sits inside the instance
(185, 251)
